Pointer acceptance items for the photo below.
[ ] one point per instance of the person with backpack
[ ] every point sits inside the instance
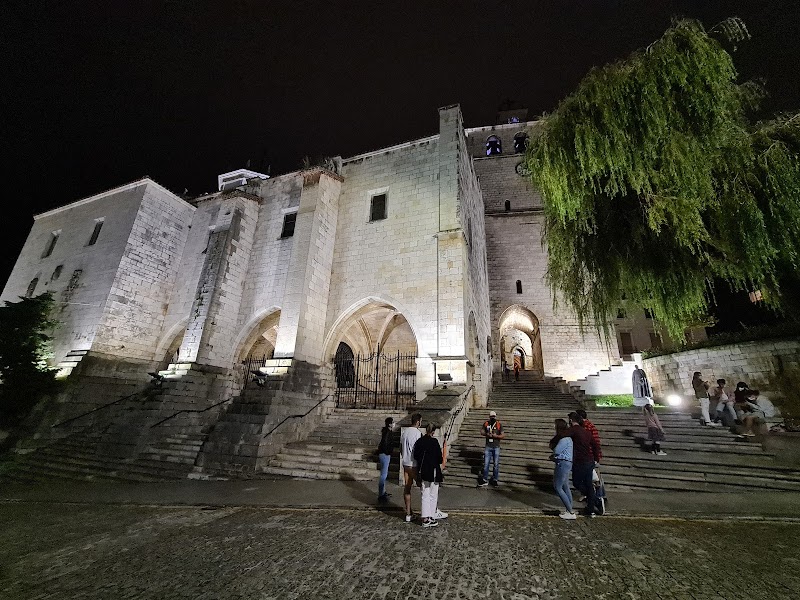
(590, 427)
(492, 430)
(428, 454)
(385, 449)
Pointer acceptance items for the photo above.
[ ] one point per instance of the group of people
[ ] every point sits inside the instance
(507, 371)
(422, 460)
(744, 406)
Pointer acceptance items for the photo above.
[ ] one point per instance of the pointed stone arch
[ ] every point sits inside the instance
(520, 339)
(258, 335)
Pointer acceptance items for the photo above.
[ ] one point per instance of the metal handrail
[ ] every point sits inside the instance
(296, 416)
(99, 408)
(457, 412)
(196, 410)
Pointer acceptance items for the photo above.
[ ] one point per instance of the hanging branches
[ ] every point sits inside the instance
(655, 183)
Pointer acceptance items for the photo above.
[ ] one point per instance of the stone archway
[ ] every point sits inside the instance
(520, 339)
(259, 341)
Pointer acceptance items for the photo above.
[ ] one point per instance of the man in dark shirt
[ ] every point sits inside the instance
(584, 454)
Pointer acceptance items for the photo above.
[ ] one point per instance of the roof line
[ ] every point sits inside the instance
(391, 148)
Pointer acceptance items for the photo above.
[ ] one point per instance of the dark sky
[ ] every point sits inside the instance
(96, 94)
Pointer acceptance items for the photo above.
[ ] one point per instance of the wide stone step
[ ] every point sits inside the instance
(301, 469)
(304, 474)
(328, 461)
(542, 444)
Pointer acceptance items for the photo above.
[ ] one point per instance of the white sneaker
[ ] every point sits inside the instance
(712, 424)
(430, 523)
(439, 515)
(409, 518)
(660, 453)
(568, 516)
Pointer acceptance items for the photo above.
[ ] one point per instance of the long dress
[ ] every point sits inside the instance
(642, 394)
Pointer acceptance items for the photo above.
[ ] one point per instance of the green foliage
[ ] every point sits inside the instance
(615, 400)
(751, 334)
(25, 347)
(655, 182)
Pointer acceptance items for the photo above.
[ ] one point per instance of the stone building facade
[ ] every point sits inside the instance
(430, 249)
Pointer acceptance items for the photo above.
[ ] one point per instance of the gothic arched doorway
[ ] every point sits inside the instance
(520, 340)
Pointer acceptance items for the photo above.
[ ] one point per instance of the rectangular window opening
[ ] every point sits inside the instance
(377, 208)
(98, 225)
(51, 244)
(289, 221)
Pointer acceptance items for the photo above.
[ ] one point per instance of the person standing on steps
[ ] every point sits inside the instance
(584, 449)
(642, 393)
(492, 430)
(385, 449)
(428, 454)
(562, 456)
(589, 426)
(701, 393)
(516, 369)
(655, 433)
(408, 439)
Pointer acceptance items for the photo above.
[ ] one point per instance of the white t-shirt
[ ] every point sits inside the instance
(408, 438)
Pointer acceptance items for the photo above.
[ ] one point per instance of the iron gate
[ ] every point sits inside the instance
(376, 381)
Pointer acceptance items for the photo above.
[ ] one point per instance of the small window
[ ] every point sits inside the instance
(493, 146)
(655, 341)
(288, 225)
(56, 273)
(519, 286)
(621, 314)
(377, 209)
(648, 314)
(98, 225)
(32, 287)
(51, 244)
(508, 205)
(520, 143)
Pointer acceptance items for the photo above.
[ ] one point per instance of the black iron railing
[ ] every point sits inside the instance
(305, 414)
(376, 381)
(99, 408)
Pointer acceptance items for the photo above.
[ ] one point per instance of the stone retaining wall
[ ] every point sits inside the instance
(756, 363)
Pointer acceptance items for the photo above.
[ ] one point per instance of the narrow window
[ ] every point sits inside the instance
(519, 286)
(56, 273)
(508, 205)
(98, 225)
(648, 313)
(621, 313)
(32, 287)
(520, 143)
(493, 145)
(51, 244)
(377, 209)
(288, 225)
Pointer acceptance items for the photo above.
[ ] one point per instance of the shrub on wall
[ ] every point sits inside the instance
(790, 330)
(25, 348)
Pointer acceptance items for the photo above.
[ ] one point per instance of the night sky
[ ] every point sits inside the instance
(97, 94)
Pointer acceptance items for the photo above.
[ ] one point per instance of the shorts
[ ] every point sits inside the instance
(409, 476)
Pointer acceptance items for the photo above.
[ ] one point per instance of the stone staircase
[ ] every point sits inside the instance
(698, 458)
(344, 446)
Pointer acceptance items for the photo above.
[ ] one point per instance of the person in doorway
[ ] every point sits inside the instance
(428, 454)
(506, 371)
(516, 369)
(642, 393)
(589, 426)
(701, 393)
(408, 439)
(584, 449)
(385, 449)
(655, 433)
(562, 455)
(492, 430)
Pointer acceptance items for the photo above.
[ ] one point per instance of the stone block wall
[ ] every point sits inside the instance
(755, 363)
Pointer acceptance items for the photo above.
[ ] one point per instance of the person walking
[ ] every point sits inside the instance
(701, 393)
(408, 439)
(428, 454)
(589, 426)
(506, 371)
(516, 369)
(492, 430)
(562, 455)
(385, 449)
(655, 433)
(584, 450)
(642, 393)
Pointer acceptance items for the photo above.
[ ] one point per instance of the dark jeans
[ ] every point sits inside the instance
(582, 480)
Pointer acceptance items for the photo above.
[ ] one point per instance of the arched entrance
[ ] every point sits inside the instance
(258, 344)
(375, 358)
(520, 340)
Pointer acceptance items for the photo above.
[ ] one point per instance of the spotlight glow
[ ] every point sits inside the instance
(674, 400)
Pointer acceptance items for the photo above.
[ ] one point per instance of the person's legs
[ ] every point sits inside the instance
(582, 479)
(434, 499)
(704, 404)
(427, 508)
(732, 411)
(561, 483)
(384, 458)
(409, 474)
(496, 458)
(487, 456)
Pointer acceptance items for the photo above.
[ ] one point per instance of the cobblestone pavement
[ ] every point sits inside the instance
(105, 551)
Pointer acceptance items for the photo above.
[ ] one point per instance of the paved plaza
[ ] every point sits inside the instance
(55, 548)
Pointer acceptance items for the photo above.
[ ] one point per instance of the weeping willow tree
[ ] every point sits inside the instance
(656, 182)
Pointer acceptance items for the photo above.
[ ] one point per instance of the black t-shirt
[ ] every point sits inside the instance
(493, 429)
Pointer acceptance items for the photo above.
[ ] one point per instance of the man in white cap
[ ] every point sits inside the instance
(492, 430)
